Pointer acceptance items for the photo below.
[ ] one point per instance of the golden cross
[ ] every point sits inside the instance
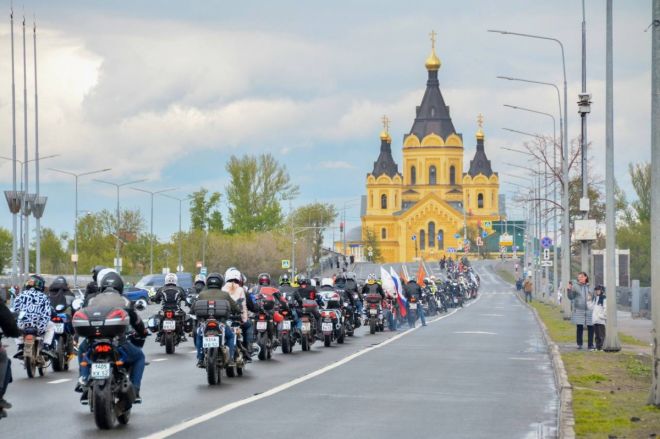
(432, 35)
(386, 123)
(480, 120)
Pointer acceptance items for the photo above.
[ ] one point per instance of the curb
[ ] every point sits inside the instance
(566, 419)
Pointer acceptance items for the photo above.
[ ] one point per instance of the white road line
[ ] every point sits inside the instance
(475, 332)
(63, 380)
(277, 389)
(492, 315)
(158, 359)
(192, 352)
(522, 359)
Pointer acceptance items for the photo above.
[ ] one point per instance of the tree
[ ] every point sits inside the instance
(257, 185)
(372, 241)
(5, 248)
(95, 246)
(131, 223)
(203, 211)
(319, 216)
(634, 228)
(53, 256)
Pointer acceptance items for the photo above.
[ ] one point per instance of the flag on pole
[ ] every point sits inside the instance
(387, 282)
(401, 299)
(421, 274)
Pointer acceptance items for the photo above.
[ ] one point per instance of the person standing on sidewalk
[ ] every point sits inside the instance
(528, 287)
(580, 296)
(599, 315)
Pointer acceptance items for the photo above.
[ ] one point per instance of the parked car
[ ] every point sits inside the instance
(134, 294)
(151, 282)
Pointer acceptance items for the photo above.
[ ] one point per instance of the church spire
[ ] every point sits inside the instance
(385, 163)
(433, 62)
(480, 163)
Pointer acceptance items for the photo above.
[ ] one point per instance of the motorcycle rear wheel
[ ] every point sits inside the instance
(30, 362)
(263, 348)
(372, 326)
(327, 341)
(212, 371)
(169, 343)
(305, 343)
(286, 345)
(60, 356)
(104, 413)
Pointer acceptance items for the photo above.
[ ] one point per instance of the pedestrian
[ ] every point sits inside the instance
(599, 315)
(578, 293)
(528, 287)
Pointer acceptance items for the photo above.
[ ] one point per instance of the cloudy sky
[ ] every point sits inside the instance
(168, 90)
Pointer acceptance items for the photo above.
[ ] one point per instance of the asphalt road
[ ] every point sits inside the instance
(480, 372)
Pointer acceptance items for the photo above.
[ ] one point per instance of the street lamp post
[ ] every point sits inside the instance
(74, 257)
(180, 200)
(565, 236)
(151, 225)
(118, 186)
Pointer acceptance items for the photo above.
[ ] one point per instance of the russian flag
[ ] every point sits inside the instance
(403, 303)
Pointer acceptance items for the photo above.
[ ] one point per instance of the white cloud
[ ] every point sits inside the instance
(336, 165)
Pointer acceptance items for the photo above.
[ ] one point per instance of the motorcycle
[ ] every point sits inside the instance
(308, 326)
(357, 321)
(240, 354)
(332, 323)
(34, 360)
(63, 340)
(170, 324)
(266, 330)
(287, 331)
(111, 393)
(374, 312)
(429, 303)
(412, 310)
(211, 316)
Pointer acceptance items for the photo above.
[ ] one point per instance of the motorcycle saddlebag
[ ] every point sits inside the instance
(211, 308)
(373, 298)
(309, 306)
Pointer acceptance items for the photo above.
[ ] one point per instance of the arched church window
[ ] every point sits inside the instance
(441, 239)
(383, 233)
(383, 201)
(431, 234)
(413, 175)
(452, 175)
(422, 239)
(432, 175)
(480, 201)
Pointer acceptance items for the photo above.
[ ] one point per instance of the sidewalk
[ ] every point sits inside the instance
(638, 328)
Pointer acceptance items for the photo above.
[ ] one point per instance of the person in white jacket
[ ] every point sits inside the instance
(598, 308)
(233, 280)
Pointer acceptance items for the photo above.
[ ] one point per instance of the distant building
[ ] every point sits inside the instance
(418, 212)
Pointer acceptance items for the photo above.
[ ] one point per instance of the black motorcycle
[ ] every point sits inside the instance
(211, 320)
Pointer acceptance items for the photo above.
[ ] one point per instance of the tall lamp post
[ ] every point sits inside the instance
(118, 186)
(74, 256)
(151, 221)
(565, 225)
(179, 268)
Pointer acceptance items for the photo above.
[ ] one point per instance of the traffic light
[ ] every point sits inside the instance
(341, 227)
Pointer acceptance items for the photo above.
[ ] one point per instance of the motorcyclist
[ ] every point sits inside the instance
(413, 290)
(288, 293)
(213, 291)
(9, 329)
(200, 283)
(60, 294)
(373, 287)
(110, 289)
(170, 295)
(307, 292)
(233, 280)
(347, 283)
(92, 287)
(34, 311)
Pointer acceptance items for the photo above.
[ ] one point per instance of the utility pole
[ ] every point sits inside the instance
(611, 334)
(654, 396)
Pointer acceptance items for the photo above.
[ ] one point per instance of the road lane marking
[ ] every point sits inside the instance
(492, 315)
(63, 380)
(474, 332)
(277, 389)
(158, 359)
(522, 359)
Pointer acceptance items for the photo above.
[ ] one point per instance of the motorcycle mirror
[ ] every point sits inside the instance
(76, 304)
(140, 305)
(59, 308)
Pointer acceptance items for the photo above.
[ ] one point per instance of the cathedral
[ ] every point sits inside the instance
(425, 210)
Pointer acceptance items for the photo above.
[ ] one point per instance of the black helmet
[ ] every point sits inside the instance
(35, 282)
(215, 280)
(95, 272)
(264, 279)
(302, 280)
(59, 284)
(112, 280)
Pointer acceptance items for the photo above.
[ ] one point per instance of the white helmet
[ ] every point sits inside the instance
(232, 274)
(171, 279)
(327, 282)
(101, 274)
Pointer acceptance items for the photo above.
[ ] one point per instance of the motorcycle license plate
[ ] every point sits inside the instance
(261, 326)
(59, 328)
(286, 325)
(169, 325)
(306, 326)
(100, 371)
(373, 311)
(326, 327)
(211, 342)
(413, 306)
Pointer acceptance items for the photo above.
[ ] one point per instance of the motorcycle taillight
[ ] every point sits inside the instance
(169, 314)
(80, 315)
(102, 348)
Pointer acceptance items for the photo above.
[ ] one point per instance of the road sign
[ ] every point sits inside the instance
(488, 224)
(480, 242)
(546, 263)
(484, 234)
(370, 249)
(203, 271)
(506, 239)
(370, 254)
(74, 257)
(414, 237)
(286, 264)
(546, 254)
(451, 250)
(546, 242)
(457, 235)
(179, 268)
